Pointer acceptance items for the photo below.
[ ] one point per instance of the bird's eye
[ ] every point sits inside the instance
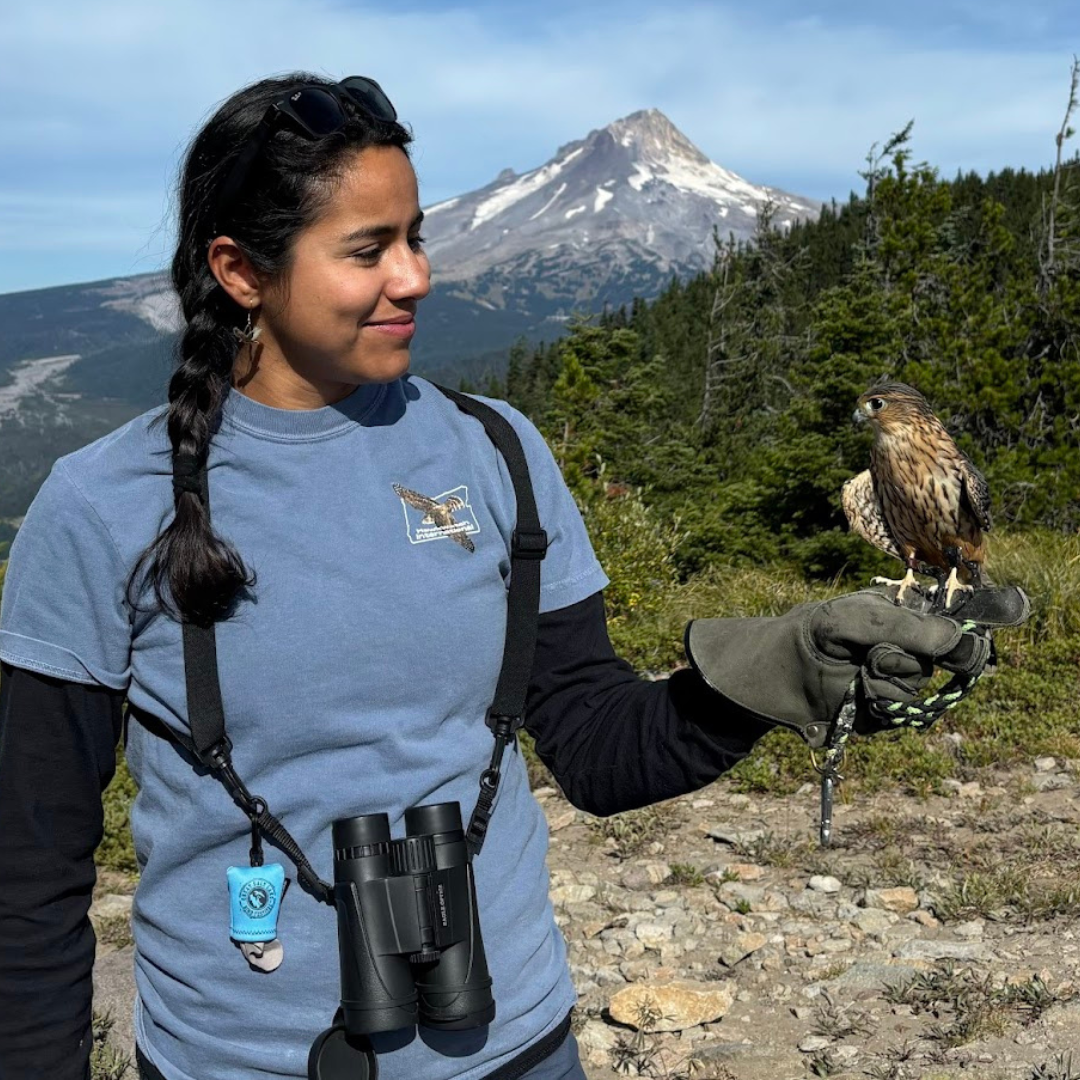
(876, 404)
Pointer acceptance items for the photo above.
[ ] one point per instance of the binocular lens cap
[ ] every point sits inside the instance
(337, 1056)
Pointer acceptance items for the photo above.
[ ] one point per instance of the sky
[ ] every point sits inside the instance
(100, 100)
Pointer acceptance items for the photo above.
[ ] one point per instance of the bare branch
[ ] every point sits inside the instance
(1064, 133)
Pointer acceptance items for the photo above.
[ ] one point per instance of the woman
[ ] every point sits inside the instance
(358, 640)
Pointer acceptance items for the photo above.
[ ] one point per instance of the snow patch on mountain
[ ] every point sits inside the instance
(149, 297)
(520, 188)
(34, 377)
(562, 188)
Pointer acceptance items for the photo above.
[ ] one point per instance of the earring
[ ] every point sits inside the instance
(249, 335)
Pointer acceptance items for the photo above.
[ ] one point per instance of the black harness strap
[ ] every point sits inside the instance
(528, 545)
(206, 715)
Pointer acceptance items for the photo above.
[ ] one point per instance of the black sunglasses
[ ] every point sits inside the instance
(316, 111)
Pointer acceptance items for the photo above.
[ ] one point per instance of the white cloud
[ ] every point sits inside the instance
(97, 95)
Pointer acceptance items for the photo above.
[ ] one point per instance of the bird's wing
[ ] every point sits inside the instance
(863, 511)
(414, 498)
(453, 503)
(976, 491)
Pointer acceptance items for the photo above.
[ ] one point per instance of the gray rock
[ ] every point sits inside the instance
(653, 934)
(923, 949)
(824, 883)
(112, 906)
(1045, 764)
(969, 930)
(813, 1043)
(874, 921)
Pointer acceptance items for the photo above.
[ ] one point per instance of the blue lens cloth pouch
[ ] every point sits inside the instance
(255, 894)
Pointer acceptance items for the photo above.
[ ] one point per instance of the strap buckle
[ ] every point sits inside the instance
(219, 756)
(504, 725)
(528, 545)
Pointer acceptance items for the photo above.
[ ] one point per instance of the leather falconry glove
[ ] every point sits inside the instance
(795, 669)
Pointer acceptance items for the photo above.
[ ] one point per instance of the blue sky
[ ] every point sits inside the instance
(100, 99)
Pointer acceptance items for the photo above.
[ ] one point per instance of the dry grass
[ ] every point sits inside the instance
(967, 1006)
(630, 833)
(106, 1062)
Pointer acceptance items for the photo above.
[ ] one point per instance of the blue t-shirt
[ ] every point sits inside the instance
(355, 679)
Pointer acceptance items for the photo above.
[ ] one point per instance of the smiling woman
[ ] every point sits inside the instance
(377, 517)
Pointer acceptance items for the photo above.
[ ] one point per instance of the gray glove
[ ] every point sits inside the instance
(795, 669)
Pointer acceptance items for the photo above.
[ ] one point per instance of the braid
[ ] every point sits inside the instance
(204, 573)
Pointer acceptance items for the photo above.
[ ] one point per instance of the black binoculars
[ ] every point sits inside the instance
(408, 932)
(408, 929)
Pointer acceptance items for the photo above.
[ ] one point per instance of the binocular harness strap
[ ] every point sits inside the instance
(206, 715)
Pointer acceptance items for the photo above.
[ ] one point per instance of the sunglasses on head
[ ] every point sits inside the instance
(316, 111)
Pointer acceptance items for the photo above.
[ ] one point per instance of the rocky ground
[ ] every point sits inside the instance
(710, 937)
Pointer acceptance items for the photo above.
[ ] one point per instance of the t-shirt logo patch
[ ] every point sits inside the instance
(448, 515)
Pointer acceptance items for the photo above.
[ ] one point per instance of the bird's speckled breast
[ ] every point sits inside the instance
(920, 486)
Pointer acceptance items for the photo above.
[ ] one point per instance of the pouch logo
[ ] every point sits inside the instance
(446, 516)
(257, 898)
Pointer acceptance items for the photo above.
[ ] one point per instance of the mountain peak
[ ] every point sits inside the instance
(653, 136)
(638, 186)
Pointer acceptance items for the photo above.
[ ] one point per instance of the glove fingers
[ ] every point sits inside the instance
(893, 663)
(970, 655)
(846, 628)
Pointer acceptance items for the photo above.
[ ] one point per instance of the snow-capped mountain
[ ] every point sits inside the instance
(634, 197)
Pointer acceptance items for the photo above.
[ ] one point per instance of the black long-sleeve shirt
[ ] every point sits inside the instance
(612, 740)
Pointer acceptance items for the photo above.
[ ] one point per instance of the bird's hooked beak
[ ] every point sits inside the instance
(859, 416)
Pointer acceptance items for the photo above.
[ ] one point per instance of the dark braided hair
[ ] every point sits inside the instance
(288, 185)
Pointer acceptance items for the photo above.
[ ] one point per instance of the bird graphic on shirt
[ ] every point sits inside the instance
(922, 500)
(436, 513)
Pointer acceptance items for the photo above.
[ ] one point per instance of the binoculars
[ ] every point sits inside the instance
(408, 932)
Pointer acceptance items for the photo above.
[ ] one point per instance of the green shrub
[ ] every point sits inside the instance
(116, 851)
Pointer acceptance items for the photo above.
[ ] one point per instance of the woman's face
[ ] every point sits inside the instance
(345, 313)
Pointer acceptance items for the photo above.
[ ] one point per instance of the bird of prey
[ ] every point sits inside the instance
(921, 500)
(435, 513)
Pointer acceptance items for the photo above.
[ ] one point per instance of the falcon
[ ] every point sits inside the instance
(921, 500)
(436, 513)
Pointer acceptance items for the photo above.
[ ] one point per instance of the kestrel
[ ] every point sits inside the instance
(435, 513)
(921, 500)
